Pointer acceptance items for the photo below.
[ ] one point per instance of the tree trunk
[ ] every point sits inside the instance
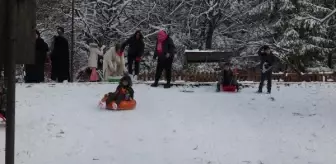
(202, 35)
(211, 29)
(330, 64)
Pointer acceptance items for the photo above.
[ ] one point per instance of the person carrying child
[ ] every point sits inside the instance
(267, 61)
(124, 92)
(227, 78)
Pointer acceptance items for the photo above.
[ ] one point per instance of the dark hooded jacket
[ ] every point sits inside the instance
(266, 58)
(3, 101)
(227, 77)
(35, 72)
(136, 46)
(121, 89)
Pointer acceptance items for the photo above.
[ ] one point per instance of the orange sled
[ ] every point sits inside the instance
(124, 105)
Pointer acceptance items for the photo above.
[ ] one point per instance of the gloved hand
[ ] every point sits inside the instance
(264, 67)
(138, 59)
(101, 104)
(167, 55)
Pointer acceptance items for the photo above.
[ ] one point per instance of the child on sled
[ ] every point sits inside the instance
(124, 92)
(227, 78)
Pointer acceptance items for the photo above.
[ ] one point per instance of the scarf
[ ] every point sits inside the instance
(120, 53)
(162, 36)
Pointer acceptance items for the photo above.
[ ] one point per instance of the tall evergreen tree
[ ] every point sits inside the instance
(303, 42)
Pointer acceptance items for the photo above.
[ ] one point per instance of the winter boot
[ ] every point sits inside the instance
(155, 84)
(167, 86)
(135, 78)
(259, 91)
(268, 92)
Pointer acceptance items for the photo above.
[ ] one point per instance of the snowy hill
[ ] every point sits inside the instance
(61, 124)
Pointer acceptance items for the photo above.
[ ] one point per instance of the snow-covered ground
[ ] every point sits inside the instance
(61, 124)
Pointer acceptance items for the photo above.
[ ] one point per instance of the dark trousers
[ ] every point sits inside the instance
(266, 76)
(166, 65)
(59, 74)
(115, 97)
(130, 61)
(3, 113)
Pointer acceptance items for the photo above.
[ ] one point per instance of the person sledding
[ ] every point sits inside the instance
(227, 78)
(267, 60)
(124, 92)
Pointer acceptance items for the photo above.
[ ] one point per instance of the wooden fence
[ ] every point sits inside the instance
(245, 76)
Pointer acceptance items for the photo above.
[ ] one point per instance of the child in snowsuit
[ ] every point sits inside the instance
(227, 78)
(266, 66)
(123, 92)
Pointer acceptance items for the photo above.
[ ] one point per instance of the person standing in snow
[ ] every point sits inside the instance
(35, 72)
(266, 65)
(93, 60)
(164, 51)
(60, 57)
(135, 52)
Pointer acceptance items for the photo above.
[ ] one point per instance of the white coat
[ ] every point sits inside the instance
(113, 64)
(93, 56)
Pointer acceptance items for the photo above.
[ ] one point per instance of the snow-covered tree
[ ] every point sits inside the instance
(302, 42)
(302, 32)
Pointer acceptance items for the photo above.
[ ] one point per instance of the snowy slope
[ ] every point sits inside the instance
(62, 124)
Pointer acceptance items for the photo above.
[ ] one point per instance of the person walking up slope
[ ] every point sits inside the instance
(266, 65)
(165, 50)
(135, 52)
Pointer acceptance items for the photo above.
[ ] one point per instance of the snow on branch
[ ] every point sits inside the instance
(323, 20)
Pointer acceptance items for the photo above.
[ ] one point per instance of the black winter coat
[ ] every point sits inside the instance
(168, 46)
(136, 46)
(269, 58)
(35, 72)
(227, 77)
(60, 58)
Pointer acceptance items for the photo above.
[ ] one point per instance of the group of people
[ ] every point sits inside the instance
(125, 92)
(164, 53)
(59, 57)
(113, 59)
(114, 62)
(267, 60)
